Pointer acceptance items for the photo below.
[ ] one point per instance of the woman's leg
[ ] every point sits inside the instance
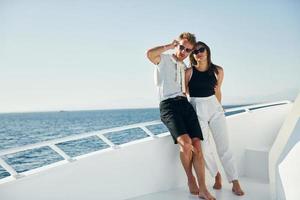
(210, 161)
(201, 108)
(218, 181)
(207, 149)
(219, 131)
(220, 134)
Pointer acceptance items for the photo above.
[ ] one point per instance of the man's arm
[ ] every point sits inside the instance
(154, 53)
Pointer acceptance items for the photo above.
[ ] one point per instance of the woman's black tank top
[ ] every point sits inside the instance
(202, 84)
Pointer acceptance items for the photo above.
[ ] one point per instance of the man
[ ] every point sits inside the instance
(175, 110)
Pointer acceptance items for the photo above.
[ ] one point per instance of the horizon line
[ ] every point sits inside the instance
(103, 109)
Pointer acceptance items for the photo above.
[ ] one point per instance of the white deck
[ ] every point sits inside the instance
(254, 189)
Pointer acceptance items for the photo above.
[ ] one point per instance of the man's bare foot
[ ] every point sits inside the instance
(193, 187)
(218, 182)
(206, 195)
(236, 188)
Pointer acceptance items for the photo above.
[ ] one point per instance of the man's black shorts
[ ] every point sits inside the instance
(180, 118)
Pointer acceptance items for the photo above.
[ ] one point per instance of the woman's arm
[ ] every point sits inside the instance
(220, 77)
(154, 53)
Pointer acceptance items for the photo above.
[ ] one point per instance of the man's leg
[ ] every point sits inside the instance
(186, 148)
(198, 163)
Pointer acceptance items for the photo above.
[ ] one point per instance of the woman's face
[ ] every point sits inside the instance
(200, 54)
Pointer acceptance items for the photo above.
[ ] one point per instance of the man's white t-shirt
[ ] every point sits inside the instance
(169, 77)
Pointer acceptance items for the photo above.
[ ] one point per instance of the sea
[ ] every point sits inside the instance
(18, 129)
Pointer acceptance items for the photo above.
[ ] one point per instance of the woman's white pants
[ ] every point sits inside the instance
(211, 117)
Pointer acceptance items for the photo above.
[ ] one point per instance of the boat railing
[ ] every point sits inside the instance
(53, 144)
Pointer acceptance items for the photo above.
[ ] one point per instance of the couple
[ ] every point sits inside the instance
(189, 122)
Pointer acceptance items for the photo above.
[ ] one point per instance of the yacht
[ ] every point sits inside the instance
(264, 138)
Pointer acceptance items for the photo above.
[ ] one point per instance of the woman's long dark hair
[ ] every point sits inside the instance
(212, 68)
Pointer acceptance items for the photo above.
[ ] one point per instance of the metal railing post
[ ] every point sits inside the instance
(148, 131)
(9, 169)
(61, 152)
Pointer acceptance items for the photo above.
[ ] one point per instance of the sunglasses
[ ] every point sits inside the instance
(181, 48)
(200, 50)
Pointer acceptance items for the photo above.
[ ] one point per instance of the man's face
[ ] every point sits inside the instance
(183, 49)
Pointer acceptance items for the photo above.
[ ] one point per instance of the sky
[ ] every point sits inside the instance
(82, 55)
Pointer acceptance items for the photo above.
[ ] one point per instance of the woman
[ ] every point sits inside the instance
(203, 82)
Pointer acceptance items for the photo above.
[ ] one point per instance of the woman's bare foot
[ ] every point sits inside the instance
(218, 182)
(236, 188)
(193, 187)
(206, 195)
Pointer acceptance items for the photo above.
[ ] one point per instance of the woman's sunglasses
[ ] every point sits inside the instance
(181, 48)
(200, 50)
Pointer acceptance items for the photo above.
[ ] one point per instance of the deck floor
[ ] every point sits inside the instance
(255, 190)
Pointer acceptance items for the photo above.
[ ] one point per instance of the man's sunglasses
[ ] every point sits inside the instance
(200, 50)
(181, 48)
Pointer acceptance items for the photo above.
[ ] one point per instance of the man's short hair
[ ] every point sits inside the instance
(189, 37)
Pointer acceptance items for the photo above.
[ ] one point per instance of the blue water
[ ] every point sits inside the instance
(18, 129)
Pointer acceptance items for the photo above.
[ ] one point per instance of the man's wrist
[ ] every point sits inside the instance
(167, 47)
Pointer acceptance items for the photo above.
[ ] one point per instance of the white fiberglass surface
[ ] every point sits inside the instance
(254, 190)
